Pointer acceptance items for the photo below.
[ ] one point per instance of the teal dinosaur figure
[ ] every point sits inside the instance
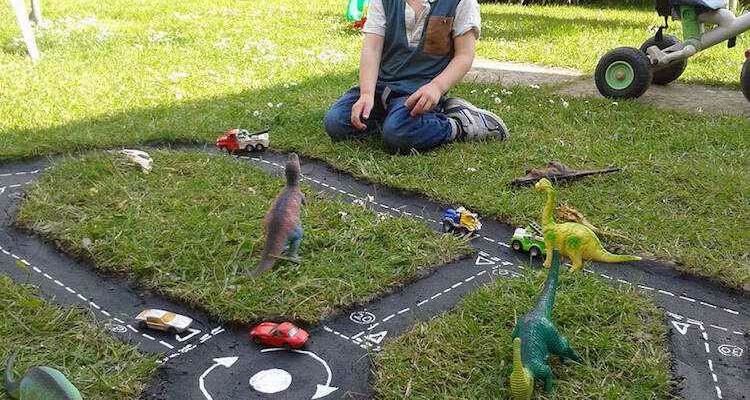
(535, 338)
(39, 383)
(575, 241)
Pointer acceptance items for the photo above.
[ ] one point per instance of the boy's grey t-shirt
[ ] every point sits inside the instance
(467, 18)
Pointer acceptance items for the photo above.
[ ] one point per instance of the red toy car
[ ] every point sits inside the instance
(283, 334)
(240, 139)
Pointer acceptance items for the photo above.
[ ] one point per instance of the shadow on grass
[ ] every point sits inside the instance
(198, 121)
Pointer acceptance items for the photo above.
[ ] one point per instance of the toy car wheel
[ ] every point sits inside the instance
(623, 73)
(259, 147)
(516, 245)
(447, 227)
(249, 148)
(668, 73)
(534, 252)
(745, 79)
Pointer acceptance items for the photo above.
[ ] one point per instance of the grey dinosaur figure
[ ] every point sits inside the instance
(282, 225)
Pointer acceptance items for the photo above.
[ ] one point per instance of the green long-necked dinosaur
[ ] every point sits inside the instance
(575, 241)
(39, 383)
(535, 338)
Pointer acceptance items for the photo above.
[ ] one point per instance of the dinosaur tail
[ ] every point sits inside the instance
(11, 386)
(521, 381)
(267, 261)
(605, 256)
(547, 298)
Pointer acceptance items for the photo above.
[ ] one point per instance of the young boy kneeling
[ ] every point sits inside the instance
(414, 52)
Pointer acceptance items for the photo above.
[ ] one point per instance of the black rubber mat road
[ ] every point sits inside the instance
(709, 324)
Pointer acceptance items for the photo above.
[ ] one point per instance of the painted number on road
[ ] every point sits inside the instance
(729, 350)
(116, 328)
(505, 273)
(362, 317)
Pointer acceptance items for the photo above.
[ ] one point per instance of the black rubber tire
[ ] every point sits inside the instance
(515, 245)
(641, 73)
(534, 252)
(249, 148)
(671, 72)
(745, 79)
(259, 147)
(447, 227)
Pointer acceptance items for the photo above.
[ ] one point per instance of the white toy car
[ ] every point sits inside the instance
(164, 320)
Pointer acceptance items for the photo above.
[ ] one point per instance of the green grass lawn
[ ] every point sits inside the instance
(466, 354)
(101, 367)
(115, 74)
(576, 37)
(192, 229)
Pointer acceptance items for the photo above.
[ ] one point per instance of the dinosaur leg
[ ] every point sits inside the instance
(548, 248)
(576, 260)
(545, 373)
(561, 348)
(293, 242)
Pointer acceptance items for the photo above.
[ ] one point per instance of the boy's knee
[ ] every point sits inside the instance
(337, 124)
(399, 132)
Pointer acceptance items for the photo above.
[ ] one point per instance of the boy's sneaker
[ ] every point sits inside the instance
(473, 122)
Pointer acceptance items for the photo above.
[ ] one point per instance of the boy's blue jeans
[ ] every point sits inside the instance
(401, 132)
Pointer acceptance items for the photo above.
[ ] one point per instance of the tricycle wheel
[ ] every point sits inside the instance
(745, 79)
(515, 245)
(623, 73)
(668, 73)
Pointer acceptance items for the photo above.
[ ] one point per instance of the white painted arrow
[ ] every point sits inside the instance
(321, 390)
(681, 327)
(226, 362)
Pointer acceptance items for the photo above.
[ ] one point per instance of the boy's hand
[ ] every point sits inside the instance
(361, 111)
(424, 99)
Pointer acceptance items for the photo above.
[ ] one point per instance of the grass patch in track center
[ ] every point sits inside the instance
(192, 228)
(467, 353)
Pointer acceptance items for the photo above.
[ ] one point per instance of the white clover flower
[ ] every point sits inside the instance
(222, 43)
(158, 37)
(177, 76)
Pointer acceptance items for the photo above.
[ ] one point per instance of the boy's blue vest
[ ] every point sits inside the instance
(405, 69)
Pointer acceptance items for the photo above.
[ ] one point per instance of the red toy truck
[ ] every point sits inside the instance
(240, 139)
(277, 335)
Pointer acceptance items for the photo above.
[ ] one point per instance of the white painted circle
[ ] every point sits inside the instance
(272, 380)
(362, 317)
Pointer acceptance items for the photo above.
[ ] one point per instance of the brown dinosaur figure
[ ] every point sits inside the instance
(282, 225)
(575, 241)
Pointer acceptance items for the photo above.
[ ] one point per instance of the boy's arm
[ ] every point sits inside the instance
(428, 96)
(369, 65)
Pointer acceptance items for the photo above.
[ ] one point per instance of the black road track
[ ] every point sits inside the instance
(708, 336)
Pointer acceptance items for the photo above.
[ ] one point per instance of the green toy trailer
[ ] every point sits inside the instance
(627, 72)
(528, 239)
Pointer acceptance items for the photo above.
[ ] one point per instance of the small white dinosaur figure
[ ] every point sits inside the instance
(139, 157)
